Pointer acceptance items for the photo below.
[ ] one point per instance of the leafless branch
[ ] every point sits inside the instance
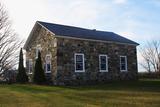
(151, 55)
(9, 43)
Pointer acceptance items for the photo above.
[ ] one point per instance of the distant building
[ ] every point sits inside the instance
(73, 55)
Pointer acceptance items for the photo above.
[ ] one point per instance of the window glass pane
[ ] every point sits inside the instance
(122, 59)
(30, 65)
(79, 58)
(79, 66)
(123, 67)
(48, 62)
(103, 59)
(48, 67)
(103, 62)
(123, 63)
(79, 62)
(103, 66)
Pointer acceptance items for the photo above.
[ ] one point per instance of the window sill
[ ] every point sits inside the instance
(103, 71)
(79, 71)
(48, 72)
(124, 70)
(30, 73)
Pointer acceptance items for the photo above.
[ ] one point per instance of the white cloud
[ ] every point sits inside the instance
(24, 13)
(82, 13)
(72, 12)
(120, 1)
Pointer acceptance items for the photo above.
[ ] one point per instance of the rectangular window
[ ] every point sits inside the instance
(123, 63)
(79, 62)
(38, 48)
(48, 63)
(30, 66)
(103, 63)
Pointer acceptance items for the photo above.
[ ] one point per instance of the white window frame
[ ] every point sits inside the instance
(38, 48)
(30, 61)
(126, 66)
(100, 63)
(48, 62)
(55, 42)
(83, 70)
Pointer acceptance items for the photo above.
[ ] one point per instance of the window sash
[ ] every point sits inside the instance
(123, 63)
(79, 63)
(48, 67)
(48, 63)
(30, 66)
(103, 64)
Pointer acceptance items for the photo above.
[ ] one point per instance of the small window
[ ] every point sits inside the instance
(123, 63)
(30, 66)
(79, 62)
(103, 63)
(38, 49)
(55, 43)
(48, 63)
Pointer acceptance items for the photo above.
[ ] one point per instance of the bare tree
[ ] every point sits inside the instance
(151, 55)
(9, 43)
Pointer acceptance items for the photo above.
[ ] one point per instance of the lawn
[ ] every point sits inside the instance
(142, 93)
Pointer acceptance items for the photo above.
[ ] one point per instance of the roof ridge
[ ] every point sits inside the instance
(75, 27)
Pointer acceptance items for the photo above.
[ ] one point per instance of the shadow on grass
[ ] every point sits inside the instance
(33, 88)
(140, 85)
(122, 92)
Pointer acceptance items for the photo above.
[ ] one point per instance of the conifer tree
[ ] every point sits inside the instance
(21, 76)
(39, 75)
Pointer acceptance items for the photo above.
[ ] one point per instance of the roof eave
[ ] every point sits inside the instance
(61, 36)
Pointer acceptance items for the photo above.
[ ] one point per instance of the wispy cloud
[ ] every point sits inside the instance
(120, 1)
(131, 19)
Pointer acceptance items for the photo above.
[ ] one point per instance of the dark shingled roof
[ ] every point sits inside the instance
(69, 31)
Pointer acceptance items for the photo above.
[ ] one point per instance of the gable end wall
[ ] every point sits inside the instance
(47, 41)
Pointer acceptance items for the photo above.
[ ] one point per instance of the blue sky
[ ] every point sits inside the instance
(138, 20)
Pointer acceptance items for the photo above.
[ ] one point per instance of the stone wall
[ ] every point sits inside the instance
(41, 36)
(66, 48)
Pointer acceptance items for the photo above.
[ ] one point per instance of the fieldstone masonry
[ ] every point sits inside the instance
(66, 48)
(48, 46)
(62, 51)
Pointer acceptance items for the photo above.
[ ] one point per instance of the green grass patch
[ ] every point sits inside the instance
(142, 93)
